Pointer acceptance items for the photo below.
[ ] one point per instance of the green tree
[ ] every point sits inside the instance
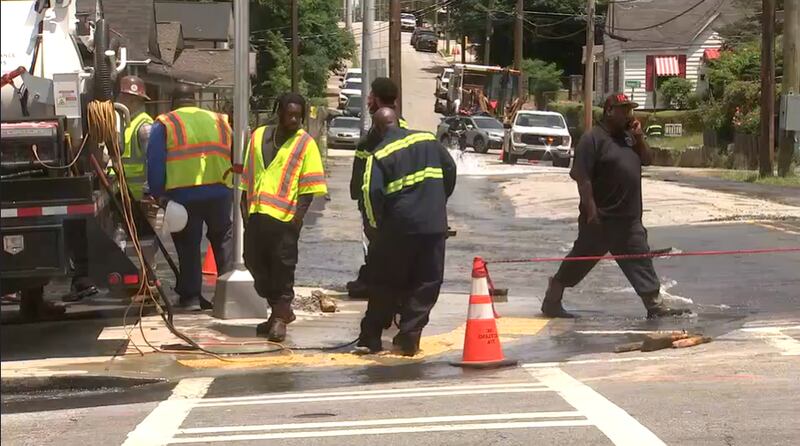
(542, 77)
(323, 47)
(677, 91)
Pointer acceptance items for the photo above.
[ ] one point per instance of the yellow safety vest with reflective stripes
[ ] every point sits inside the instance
(133, 159)
(295, 170)
(399, 175)
(198, 148)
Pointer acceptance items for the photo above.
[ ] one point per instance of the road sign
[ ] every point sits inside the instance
(633, 84)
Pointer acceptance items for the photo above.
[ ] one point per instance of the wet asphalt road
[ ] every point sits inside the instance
(739, 390)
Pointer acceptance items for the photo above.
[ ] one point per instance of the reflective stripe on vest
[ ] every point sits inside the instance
(363, 154)
(198, 148)
(365, 185)
(133, 159)
(414, 178)
(401, 144)
(273, 190)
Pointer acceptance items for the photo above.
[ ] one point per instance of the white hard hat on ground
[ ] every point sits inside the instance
(175, 217)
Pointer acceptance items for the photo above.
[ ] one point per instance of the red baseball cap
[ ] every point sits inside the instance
(133, 85)
(619, 100)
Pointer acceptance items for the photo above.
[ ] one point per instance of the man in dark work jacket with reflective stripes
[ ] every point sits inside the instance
(407, 181)
(383, 93)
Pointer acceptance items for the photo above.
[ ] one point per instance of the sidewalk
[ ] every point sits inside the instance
(711, 179)
(135, 358)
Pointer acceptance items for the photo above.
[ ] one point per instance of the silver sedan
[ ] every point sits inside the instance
(344, 132)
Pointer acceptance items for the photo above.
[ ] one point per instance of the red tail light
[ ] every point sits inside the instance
(130, 279)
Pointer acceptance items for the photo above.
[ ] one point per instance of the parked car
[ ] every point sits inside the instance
(418, 31)
(344, 132)
(538, 136)
(408, 21)
(427, 41)
(350, 88)
(353, 106)
(479, 132)
(350, 74)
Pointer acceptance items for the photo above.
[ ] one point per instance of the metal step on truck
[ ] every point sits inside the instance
(59, 199)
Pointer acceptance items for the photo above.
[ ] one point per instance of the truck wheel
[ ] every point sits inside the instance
(479, 145)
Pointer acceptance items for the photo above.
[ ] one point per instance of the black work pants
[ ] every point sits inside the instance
(405, 269)
(216, 214)
(619, 236)
(270, 253)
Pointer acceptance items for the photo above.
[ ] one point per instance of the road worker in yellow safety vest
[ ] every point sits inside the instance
(132, 94)
(189, 162)
(282, 173)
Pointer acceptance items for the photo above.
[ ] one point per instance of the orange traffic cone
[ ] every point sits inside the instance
(210, 264)
(482, 347)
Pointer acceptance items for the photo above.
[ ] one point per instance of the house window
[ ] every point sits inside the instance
(617, 86)
(659, 68)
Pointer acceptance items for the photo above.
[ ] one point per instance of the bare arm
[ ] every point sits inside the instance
(640, 145)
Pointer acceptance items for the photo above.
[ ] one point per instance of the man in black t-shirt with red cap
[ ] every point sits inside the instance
(608, 170)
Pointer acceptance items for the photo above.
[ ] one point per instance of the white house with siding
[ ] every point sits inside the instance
(640, 51)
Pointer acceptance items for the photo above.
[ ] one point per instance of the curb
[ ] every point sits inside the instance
(73, 383)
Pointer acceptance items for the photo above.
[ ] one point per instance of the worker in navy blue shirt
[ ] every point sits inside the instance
(188, 158)
(608, 170)
(407, 181)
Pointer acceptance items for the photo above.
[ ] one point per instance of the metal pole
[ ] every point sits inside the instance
(235, 295)
(395, 35)
(487, 49)
(588, 68)
(368, 25)
(348, 14)
(767, 88)
(791, 76)
(519, 15)
(447, 31)
(295, 47)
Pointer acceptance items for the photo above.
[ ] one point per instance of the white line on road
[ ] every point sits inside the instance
(540, 365)
(421, 394)
(621, 428)
(284, 396)
(382, 422)
(788, 345)
(386, 431)
(165, 420)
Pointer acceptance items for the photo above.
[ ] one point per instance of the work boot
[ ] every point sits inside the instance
(81, 288)
(407, 344)
(191, 304)
(369, 344)
(551, 305)
(357, 290)
(274, 329)
(663, 310)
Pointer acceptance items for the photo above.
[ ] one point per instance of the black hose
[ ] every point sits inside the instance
(103, 86)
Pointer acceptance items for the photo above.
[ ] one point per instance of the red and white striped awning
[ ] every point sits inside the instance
(667, 66)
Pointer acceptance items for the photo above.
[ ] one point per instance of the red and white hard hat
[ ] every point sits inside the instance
(133, 85)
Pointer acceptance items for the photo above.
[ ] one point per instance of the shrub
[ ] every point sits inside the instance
(573, 113)
(677, 92)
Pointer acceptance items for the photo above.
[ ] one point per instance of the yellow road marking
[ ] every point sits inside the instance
(511, 329)
(777, 228)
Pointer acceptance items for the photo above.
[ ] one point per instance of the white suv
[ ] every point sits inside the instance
(538, 136)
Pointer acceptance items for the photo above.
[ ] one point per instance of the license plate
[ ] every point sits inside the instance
(13, 244)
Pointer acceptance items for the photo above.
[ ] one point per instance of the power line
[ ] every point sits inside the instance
(665, 21)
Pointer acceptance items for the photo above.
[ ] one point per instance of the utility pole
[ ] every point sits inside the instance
(487, 44)
(463, 49)
(235, 296)
(395, 71)
(519, 15)
(588, 68)
(295, 47)
(766, 154)
(348, 15)
(367, 29)
(447, 31)
(791, 76)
